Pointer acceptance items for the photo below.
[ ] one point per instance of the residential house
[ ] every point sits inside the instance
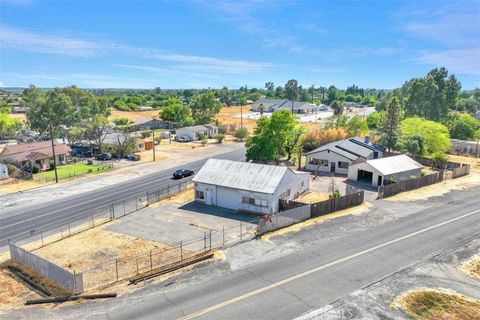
(339, 155)
(272, 105)
(151, 124)
(208, 131)
(249, 187)
(385, 171)
(36, 152)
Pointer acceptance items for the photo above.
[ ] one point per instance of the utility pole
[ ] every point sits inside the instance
(153, 144)
(54, 157)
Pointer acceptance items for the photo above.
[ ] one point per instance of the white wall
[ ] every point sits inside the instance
(293, 182)
(3, 171)
(182, 132)
(353, 173)
(331, 157)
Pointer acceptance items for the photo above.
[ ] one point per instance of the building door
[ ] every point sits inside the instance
(208, 196)
(379, 181)
(332, 166)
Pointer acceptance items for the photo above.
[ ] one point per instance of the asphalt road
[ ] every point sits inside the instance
(79, 207)
(292, 285)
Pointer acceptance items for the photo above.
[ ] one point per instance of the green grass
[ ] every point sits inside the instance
(71, 171)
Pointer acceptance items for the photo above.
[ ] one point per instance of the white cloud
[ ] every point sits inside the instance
(465, 61)
(12, 38)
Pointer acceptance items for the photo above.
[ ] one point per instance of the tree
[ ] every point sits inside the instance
(374, 120)
(336, 122)
(177, 112)
(280, 134)
(413, 145)
(390, 127)
(291, 90)
(357, 125)
(205, 107)
(432, 96)
(261, 109)
(50, 114)
(241, 133)
(121, 121)
(436, 135)
(337, 107)
(269, 86)
(9, 126)
(462, 126)
(96, 130)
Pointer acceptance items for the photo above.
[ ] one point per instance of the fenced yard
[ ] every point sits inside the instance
(74, 170)
(407, 185)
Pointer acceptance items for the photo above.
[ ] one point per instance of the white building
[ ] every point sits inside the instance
(208, 131)
(385, 171)
(250, 187)
(3, 171)
(339, 155)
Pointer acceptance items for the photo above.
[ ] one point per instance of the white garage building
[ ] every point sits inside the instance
(385, 171)
(249, 187)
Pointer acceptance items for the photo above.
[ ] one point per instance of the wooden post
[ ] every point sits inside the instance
(151, 261)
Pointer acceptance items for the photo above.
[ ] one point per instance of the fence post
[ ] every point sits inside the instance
(116, 267)
(210, 236)
(223, 235)
(181, 250)
(204, 241)
(151, 261)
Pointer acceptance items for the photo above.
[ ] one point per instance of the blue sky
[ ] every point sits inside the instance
(199, 44)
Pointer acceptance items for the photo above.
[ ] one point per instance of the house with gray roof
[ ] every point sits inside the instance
(249, 187)
(272, 105)
(207, 130)
(339, 155)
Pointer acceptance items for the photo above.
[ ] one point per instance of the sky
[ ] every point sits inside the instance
(201, 44)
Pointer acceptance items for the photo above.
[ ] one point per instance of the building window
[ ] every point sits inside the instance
(199, 195)
(255, 202)
(343, 165)
(318, 162)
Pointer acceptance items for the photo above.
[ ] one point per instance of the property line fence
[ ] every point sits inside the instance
(72, 282)
(461, 171)
(407, 185)
(38, 238)
(337, 204)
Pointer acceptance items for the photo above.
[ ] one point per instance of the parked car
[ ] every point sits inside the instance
(183, 139)
(104, 156)
(182, 173)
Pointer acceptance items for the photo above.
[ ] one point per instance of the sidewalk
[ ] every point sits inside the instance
(12, 201)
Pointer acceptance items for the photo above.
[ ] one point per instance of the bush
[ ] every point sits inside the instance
(440, 159)
(52, 166)
(241, 133)
(203, 142)
(220, 138)
(146, 134)
(122, 121)
(201, 137)
(11, 169)
(35, 168)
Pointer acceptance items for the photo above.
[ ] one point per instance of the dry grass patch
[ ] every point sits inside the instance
(473, 162)
(13, 293)
(313, 197)
(134, 115)
(430, 304)
(472, 267)
(364, 207)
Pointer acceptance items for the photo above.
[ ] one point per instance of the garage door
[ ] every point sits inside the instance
(365, 176)
(227, 198)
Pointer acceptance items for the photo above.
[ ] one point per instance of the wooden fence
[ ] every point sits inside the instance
(461, 171)
(332, 205)
(285, 205)
(407, 185)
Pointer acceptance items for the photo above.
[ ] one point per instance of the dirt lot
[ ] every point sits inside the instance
(134, 115)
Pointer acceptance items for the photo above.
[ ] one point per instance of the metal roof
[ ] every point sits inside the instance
(395, 164)
(241, 175)
(352, 148)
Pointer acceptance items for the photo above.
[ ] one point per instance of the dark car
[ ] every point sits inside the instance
(104, 156)
(182, 173)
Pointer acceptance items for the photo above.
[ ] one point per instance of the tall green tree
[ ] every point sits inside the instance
(432, 96)
(50, 114)
(291, 90)
(357, 125)
(205, 107)
(9, 126)
(436, 135)
(390, 128)
(176, 111)
(462, 126)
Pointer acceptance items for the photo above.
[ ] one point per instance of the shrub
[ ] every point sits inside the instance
(440, 159)
(52, 165)
(220, 137)
(241, 133)
(201, 137)
(122, 121)
(11, 169)
(146, 134)
(203, 142)
(35, 168)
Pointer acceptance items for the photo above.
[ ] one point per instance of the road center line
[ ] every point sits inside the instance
(314, 270)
